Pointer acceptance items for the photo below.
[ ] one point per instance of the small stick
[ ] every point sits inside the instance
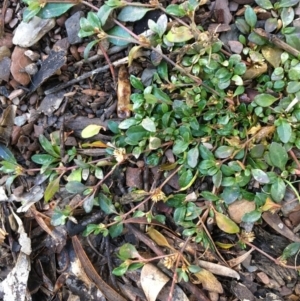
(3, 12)
(277, 42)
(84, 76)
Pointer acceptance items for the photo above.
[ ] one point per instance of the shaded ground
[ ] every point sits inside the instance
(63, 263)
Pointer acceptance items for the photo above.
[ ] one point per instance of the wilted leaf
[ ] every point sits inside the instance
(128, 251)
(123, 94)
(158, 238)
(179, 34)
(152, 281)
(226, 224)
(209, 281)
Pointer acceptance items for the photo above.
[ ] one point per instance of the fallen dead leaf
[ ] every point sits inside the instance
(237, 209)
(124, 91)
(209, 281)
(152, 281)
(219, 269)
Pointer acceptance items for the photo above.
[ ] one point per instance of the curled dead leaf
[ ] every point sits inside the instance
(124, 91)
(209, 281)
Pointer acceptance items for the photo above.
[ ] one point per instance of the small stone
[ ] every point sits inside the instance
(20, 120)
(5, 69)
(237, 209)
(4, 52)
(6, 40)
(19, 62)
(34, 56)
(73, 27)
(27, 34)
(8, 15)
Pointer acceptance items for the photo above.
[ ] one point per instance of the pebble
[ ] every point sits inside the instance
(73, 27)
(8, 15)
(20, 120)
(5, 69)
(27, 34)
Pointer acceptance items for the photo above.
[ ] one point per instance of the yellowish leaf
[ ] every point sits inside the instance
(209, 281)
(158, 238)
(224, 246)
(91, 130)
(226, 224)
(270, 206)
(94, 144)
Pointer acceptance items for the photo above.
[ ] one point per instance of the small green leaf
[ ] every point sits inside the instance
(284, 131)
(278, 189)
(6, 154)
(287, 16)
(28, 14)
(265, 100)
(128, 251)
(51, 189)
(132, 13)
(278, 155)
(48, 147)
(52, 10)
(179, 34)
(93, 20)
(88, 48)
(185, 178)
(104, 12)
(136, 83)
(260, 176)
(106, 204)
(293, 87)
(75, 187)
(149, 125)
(154, 143)
(119, 34)
(251, 217)
(250, 16)
(43, 159)
(116, 230)
(224, 151)
(231, 194)
(193, 156)
(287, 3)
(291, 250)
(176, 10)
(180, 146)
(242, 26)
(266, 4)
(59, 216)
(91, 130)
(121, 269)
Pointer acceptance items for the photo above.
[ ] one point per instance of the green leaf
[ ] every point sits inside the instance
(231, 194)
(132, 13)
(48, 147)
(224, 151)
(28, 14)
(52, 10)
(136, 134)
(90, 229)
(250, 16)
(251, 217)
(43, 159)
(278, 190)
(119, 34)
(59, 216)
(94, 20)
(265, 100)
(128, 251)
(287, 3)
(154, 143)
(278, 155)
(88, 48)
(8, 167)
(185, 178)
(104, 12)
(91, 130)
(51, 189)
(284, 131)
(121, 269)
(260, 176)
(149, 125)
(179, 34)
(136, 83)
(257, 39)
(6, 154)
(291, 250)
(75, 187)
(127, 123)
(193, 156)
(180, 146)
(209, 196)
(106, 204)
(266, 4)
(116, 230)
(162, 70)
(287, 16)
(176, 10)
(293, 87)
(242, 26)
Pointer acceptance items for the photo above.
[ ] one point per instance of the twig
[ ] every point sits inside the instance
(84, 76)
(3, 12)
(277, 42)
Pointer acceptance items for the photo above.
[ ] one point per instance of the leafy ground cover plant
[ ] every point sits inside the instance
(200, 106)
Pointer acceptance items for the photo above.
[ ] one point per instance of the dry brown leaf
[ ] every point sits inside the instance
(237, 209)
(152, 281)
(158, 238)
(209, 281)
(124, 91)
(2, 235)
(218, 269)
(235, 261)
(255, 71)
(7, 123)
